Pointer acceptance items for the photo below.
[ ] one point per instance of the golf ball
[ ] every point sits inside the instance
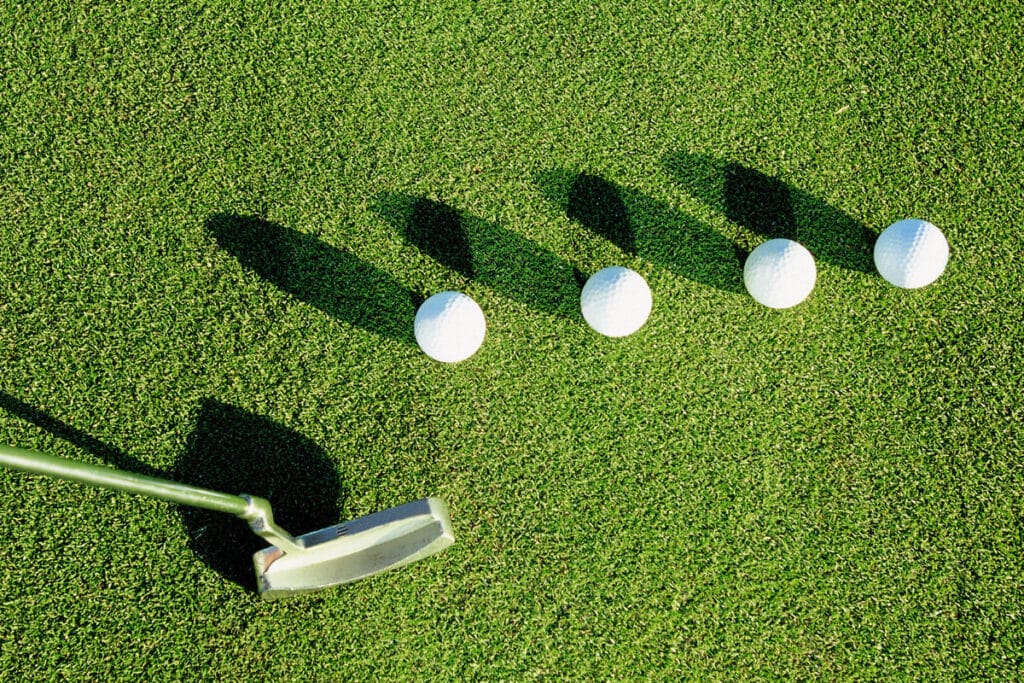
(911, 253)
(449, 327)
(780, 273)
(616, 301)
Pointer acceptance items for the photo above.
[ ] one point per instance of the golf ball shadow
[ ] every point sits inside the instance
(333, 280)
(641, 226)
(483, 251)
(238, 452)
(769, 207)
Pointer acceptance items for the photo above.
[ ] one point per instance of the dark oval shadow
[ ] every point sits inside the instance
(234, 451)
(597, 204)
(335, 281)
(231, 451)
(771, 208)
(484, 251)
(645, 227)
(437, 230)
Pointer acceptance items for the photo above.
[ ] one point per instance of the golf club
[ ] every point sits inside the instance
(292, 564)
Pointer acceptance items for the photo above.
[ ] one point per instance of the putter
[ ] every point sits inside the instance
(292, 564)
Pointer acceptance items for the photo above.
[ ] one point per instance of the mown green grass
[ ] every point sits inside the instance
(208, 273)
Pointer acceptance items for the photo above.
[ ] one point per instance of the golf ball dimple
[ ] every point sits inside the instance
(616, 301)
(911, 253)
(780, 273)
(450, 327)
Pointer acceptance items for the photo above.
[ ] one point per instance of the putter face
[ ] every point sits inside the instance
(355, 550)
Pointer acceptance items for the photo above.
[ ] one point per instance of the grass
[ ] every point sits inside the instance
(213, 235)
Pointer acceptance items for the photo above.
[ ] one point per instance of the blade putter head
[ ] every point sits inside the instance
(355, 550)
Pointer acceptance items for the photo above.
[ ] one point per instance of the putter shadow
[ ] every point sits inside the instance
(330, 279)
(484, 251)
(235, 451)
(645, 227)
(771, 208)
(231, 451)
(76, 437)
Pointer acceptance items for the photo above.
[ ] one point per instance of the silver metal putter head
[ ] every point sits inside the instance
(338, 554)
(354, 550)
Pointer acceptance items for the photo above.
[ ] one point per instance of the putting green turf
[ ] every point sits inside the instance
(212, 244)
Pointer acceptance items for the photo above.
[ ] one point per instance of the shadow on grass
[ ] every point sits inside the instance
(76, 437)
(645, 227)
(772, 208)
(232, 451)
(335, 281)
(235, 451)
(485, 252)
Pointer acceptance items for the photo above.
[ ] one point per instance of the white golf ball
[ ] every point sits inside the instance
(450, 327)
(616, 301)
(911, 253)
(780, 273)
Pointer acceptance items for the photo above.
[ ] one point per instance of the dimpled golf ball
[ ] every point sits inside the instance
(616, 301)
(449, 327)
(780, 273)
(911, 253)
